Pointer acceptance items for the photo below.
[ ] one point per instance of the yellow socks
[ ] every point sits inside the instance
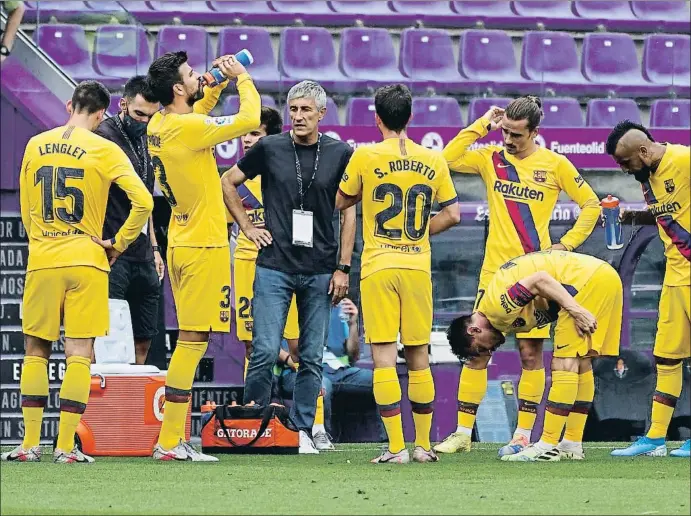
(575, 423)
(34, 389)
(387, 394)
(74, 394)
(179, 380)
(471, 389)
(667, 391)
(421, 396)
(559, 403)
(531, 388)
(319, 413)
(244, 371)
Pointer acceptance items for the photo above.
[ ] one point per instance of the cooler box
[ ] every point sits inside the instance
(125, 411)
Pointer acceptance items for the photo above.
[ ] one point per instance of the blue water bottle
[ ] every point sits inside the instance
(610, 212)
(215, 76)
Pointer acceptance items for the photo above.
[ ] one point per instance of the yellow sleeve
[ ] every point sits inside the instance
(684, 161)
(210, 99)
(24, 201)
(446, 191)
(119, 170)
(571, 182)
(351, 182)
(202, 132)
(456, 152)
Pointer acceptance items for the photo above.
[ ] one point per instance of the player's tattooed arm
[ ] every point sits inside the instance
(543, 285)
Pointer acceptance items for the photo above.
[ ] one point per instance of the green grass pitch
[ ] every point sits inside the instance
(343, 482)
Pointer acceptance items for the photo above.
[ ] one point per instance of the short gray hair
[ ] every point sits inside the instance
(308, 90)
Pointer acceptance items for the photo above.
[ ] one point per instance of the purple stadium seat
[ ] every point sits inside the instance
(67, 46)
(308, 52)
(493, 14)
(258, 42)
(480, 106)
(253, 13)
(562, 112)
(611, 59)
(316, 12)
(543, 9)
(231, 104)
(427, 59)
(194, 40)
(191, 12)
(670, 113)
(373, 13)
(666, 59)
(436, 111)
(368, 55)
(432, 13)
(603, 10)
(609, 112)
(331, 117)
(668, 16)
(360, 111)
(121, 51)
(487, 56)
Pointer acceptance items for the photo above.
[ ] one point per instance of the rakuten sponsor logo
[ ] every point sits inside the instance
(577, 148)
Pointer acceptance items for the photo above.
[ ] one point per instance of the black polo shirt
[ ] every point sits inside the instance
(274, 158)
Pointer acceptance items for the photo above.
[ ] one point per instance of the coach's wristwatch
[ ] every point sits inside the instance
(343, 268)
(4, 51)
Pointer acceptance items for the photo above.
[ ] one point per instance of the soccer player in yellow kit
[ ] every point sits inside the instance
(63, 184)
(397, 181)
(664, 171)
(181, 141)
(584, 295)
(245, 257)
(523, 182)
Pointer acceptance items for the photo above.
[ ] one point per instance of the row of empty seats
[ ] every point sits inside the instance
(617, 15)
(446, 111)
(367, 59)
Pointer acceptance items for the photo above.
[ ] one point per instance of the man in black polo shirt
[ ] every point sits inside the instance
(298, 250)
(136, 275)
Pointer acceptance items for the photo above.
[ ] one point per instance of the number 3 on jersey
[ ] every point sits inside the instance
(413, 210)
(44, 176)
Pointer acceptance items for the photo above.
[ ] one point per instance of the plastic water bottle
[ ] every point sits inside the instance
(215, 76)
(610, 212)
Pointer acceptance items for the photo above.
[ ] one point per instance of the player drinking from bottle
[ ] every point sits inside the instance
(584, 296)
(523, 182)
(181, 141)
(664, 173)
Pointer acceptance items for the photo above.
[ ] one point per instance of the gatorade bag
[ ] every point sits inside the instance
(248, 429)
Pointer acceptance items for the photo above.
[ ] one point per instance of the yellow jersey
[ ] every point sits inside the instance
(182, 154)
(399, 180)
(510, 307)
(250, 193)
(522, 194)
(667, 196)
(63, 185)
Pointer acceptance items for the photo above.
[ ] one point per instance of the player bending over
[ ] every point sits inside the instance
(398, 180)
(182, 138)
(63, 185)
(523, 182)
(664, 173)
(584, 296)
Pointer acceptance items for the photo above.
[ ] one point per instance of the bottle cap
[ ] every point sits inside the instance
(609, 202)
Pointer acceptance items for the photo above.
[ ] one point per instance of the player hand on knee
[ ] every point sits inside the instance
(111, 252)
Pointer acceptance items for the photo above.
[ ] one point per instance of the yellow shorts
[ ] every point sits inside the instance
(397, 301)
(602, 296)
(485, 279)
(673, 338)
(200, 279)
(243, 282)
(77, 296)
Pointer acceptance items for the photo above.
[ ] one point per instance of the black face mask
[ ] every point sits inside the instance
(135, 130)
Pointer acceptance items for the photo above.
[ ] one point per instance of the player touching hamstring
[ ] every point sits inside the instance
(181, 141)
(584, 296)
(664, 173)
(523, 182)
(64, 182)
(398, 181)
